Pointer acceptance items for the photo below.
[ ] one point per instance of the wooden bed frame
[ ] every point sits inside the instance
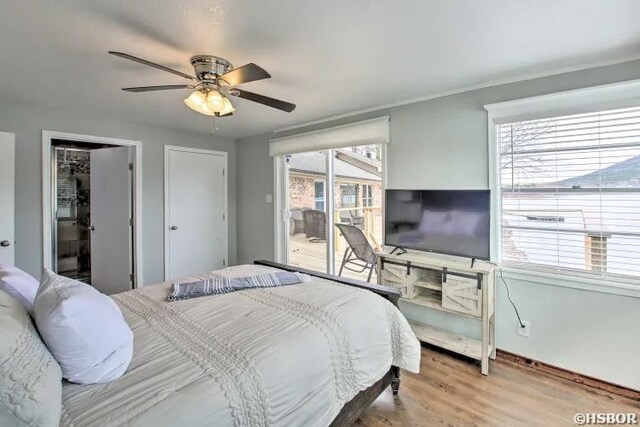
(352, 410)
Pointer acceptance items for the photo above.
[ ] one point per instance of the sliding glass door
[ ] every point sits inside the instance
(333, 205)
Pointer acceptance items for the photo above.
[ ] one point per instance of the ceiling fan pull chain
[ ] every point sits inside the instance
(214, 124)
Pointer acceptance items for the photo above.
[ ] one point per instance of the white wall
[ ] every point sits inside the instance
(27, 122)
(442, 143)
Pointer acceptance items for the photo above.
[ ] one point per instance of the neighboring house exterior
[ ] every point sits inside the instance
(358, 181)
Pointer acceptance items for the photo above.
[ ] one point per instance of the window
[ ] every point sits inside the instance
(570, 192)
(319, 195)
(348, 195)
(367, 195)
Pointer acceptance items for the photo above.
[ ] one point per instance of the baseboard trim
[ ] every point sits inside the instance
(568, 375)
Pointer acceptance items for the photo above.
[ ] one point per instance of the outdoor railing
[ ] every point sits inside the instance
(371, 224)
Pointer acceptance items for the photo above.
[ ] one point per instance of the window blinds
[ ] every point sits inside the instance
(570, 192)
(373, 131)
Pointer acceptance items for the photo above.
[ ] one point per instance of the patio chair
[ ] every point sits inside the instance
(315, 225)
(357, 220)
(351, 218)
(345, 217)
(359, 256)
(296, 222)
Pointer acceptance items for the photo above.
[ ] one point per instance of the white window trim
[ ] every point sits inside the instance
(598, 98)
(369, 197)
(324, 192)
(577, 280)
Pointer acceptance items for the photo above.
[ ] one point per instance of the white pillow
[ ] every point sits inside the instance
(19, 285)
(83, 329)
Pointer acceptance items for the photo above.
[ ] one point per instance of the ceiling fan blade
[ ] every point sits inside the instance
(154, 88)
(245, 74)
(151, 64)
(261, 99)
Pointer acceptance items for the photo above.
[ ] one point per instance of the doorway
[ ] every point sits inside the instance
(195, 197)
(92, 210)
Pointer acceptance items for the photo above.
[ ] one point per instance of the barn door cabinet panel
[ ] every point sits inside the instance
(462, 294)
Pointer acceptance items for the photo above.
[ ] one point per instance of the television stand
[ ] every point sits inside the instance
(401, 251)
(432, 282)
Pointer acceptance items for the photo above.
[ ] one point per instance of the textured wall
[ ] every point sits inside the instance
(442, 143)
(27, 122)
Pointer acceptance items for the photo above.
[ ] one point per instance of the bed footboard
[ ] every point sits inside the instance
(387, 292)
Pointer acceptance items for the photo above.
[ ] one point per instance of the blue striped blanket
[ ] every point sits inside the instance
(216, 284)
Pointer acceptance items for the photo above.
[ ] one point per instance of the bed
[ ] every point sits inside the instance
(312, 354)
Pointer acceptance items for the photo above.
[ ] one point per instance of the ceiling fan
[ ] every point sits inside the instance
(214, 81)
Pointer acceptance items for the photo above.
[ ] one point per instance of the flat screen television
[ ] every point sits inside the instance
(452, 222)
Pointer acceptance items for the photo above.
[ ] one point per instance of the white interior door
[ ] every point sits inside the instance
(7, 197)
(111, 213)
(195, 192)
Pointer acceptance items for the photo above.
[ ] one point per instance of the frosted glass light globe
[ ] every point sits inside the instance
(197, 101)
(227, 107)
(215, 101)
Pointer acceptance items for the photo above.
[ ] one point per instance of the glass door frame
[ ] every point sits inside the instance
(281, 206)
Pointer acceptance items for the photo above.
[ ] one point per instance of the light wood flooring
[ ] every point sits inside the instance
(451, 391)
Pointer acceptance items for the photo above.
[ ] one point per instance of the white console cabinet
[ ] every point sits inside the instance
(448, 284)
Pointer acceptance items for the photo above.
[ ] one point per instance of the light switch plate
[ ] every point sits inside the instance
(269, 198)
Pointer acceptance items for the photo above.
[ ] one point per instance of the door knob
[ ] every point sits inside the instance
(5, 243)
(173, 228)
(92, 228)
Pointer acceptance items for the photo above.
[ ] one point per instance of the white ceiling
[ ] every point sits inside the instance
(329, 57)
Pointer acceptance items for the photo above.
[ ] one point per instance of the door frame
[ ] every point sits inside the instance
(11, 150)
(281, 200)
(280, 211)
(47, 195)
(225, 211)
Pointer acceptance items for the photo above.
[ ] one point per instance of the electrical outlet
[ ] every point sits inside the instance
(526, 331)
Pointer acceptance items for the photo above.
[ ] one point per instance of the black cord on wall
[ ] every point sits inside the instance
(508, 293)
(509, 297)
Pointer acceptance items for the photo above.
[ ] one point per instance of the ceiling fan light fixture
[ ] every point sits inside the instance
(212, 73)
(197, 101)
(215, 101)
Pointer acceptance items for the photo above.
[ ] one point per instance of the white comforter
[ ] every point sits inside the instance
(285, 356)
